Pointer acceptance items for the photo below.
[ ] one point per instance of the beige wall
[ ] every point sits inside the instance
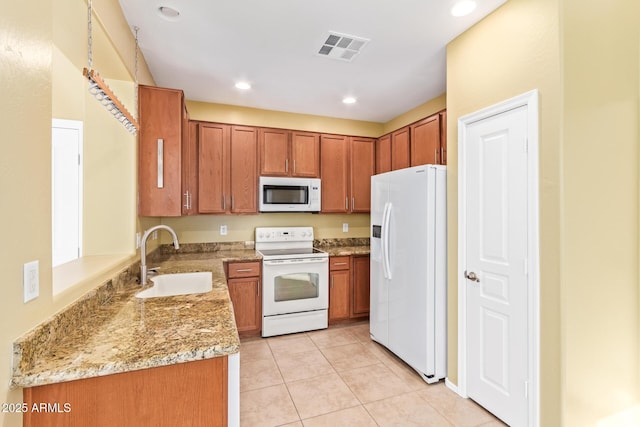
(25, 66)
(588, 83)
(599, 208)
(430, 107)
(512, 51)
(43, 51)
(256, 117)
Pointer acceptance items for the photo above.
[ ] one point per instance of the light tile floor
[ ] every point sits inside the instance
(339, 377)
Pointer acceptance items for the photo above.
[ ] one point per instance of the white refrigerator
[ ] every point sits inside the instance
(408, 310)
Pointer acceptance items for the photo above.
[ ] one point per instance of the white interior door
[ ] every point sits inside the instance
(497, 330)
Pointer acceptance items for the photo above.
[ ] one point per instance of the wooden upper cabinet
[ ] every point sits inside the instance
(213, 167)
(190, 169)
(425, 141)
(443, 137)
(244, 170)
(362, 167)
(160, 112)
(400, 157)
(274, 152)
(289, 153)
(383, 154)
(334, 171)
(227, 169)
(305, 154)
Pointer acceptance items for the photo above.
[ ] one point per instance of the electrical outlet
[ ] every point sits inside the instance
(345, 228)
(223, 230)
(31, 280)
(138, 239)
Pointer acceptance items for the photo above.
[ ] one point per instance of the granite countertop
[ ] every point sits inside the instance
(346, 250)
(111, 331)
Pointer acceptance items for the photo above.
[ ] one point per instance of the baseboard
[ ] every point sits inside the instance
(451, 386)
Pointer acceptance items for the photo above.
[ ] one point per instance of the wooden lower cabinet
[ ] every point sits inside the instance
(192, 393)
(339, 288)
(348, 287)
(360, 285)
(245, 292)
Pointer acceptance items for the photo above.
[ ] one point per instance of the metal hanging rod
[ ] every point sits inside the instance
(101, 91)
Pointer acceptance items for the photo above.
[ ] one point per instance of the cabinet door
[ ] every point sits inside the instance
(383, 154)
(425, 141)
(362, 167)
(360, 286)
(244, 169)
(247, 305)
(274, 152)
(339, 291)
(443, 137)
(190, 169)
(213, 168)
(305, 154)
(334, 164)
(400, 149)
(160, 146)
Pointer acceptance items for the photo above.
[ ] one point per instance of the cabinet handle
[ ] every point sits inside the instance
(286, 165)
(332, 282)
(294, 165)
(160, 163)
(243, 270)
(353, 203)
(340, 263)
(259, 286)
(346, 203)
(435, 156)
(186, 200)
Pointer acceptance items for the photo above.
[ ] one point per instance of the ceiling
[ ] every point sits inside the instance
(274, 46)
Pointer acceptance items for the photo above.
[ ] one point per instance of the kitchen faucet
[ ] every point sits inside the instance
(143, 249)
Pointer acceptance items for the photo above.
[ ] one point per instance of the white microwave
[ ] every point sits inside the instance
(281, 194)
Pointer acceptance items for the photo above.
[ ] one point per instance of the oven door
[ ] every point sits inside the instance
(294, 285)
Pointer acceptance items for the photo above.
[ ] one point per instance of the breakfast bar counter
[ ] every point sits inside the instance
(110, 331)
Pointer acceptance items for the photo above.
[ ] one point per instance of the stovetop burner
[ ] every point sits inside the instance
(291, 251)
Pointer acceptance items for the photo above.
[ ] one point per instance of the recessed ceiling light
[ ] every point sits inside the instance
(349, 100)
(463, 8)
(243, 85)
(168, 12)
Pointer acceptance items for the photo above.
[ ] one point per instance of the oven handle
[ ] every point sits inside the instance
(296, 261)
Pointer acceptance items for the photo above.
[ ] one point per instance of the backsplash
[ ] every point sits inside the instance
(349, 241)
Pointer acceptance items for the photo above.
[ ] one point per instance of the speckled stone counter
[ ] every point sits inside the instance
(344, 247)
(111, 331)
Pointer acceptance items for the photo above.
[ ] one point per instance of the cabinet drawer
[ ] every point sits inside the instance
(244, 269)
(339, 263)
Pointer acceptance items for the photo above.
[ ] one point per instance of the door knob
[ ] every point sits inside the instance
(471, 276)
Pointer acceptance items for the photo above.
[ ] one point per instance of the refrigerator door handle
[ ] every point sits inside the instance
(383, 241)
(386, 259)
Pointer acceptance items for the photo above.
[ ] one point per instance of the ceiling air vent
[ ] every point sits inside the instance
(342, 46)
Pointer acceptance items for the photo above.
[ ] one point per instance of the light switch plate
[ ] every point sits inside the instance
(345, 228)
(223, 230)
(31, 280)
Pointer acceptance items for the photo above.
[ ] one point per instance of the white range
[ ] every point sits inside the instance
(295, 279)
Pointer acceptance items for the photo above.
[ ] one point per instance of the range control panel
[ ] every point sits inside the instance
(284, 234)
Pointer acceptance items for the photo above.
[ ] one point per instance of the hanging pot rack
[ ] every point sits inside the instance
(101, 91)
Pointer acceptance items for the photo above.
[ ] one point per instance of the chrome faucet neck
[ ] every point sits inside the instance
(143, 248)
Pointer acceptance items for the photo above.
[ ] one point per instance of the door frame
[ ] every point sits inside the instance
(530, 100)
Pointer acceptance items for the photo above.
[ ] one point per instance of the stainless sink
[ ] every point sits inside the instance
(167, 285)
